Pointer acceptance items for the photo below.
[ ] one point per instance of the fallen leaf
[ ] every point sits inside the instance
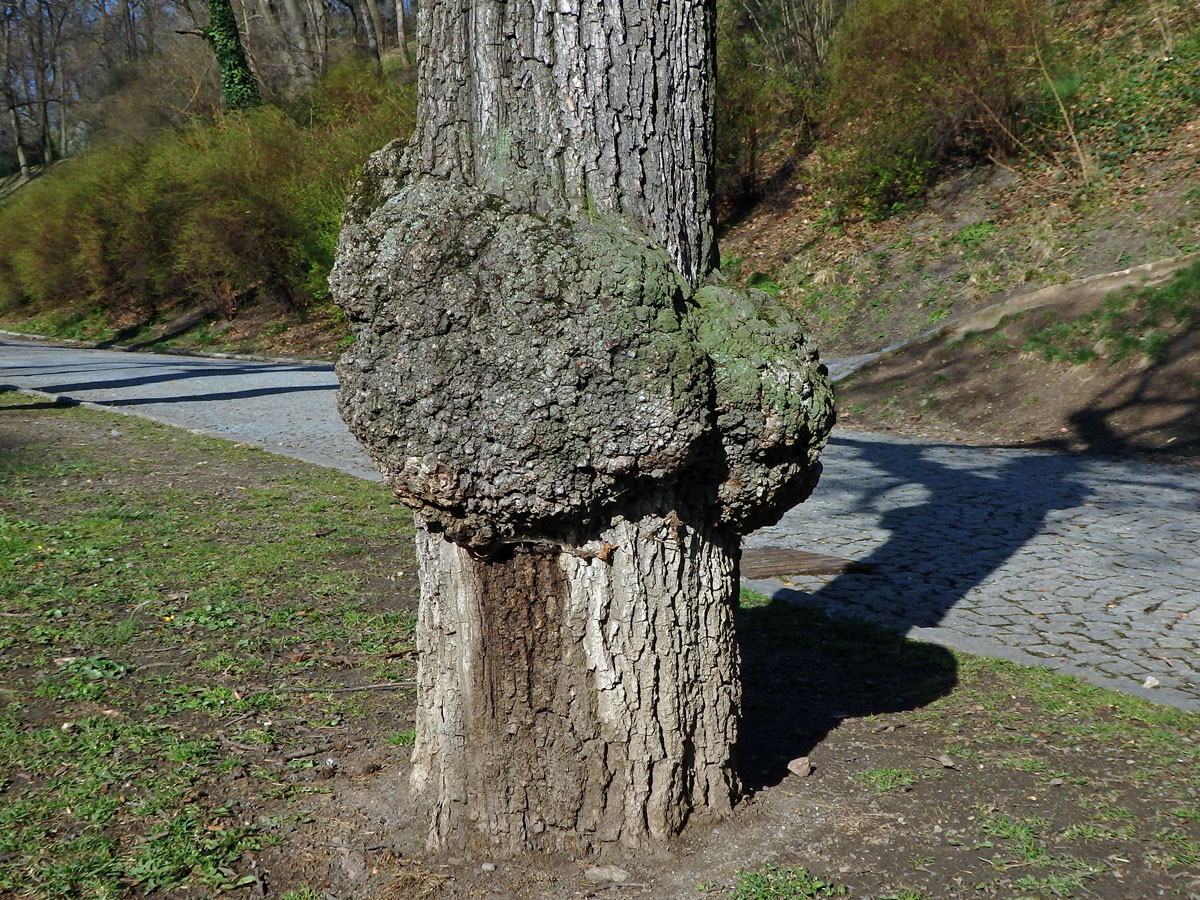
(800, 767)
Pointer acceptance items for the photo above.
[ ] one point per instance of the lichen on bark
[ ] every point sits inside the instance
(772, 400)
(514, 375)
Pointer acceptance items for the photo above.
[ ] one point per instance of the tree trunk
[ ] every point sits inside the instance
(568, 702)
(601, 106)
(317, 18)
(238, 86)
(536, 375)
(576, 703)
(22, 159)
(375, 29)
(299, 41)
(401, 34)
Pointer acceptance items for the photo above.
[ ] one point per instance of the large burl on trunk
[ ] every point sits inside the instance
(583, 418)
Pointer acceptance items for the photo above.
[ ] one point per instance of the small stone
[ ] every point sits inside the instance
(800, 767)
(1151, 682)
(488, 867)
(606, 875)
(946, 760)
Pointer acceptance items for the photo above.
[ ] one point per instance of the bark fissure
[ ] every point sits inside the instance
(581, 692)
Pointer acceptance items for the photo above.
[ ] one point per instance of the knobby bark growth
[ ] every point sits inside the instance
(582, 425)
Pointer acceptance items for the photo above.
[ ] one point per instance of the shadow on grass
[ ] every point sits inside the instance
(28, 402)
(803, 672)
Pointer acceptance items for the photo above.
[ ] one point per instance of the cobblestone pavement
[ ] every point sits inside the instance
(1084, 565)
(1088, 566)
(285, 407)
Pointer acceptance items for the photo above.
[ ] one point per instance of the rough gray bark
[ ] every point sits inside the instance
(607, 106)
(582, 431)
(597, 691)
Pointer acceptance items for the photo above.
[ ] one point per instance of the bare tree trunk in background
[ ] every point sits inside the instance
(375, 28)
(63, 137)
(22, 160)
(127, 29)
(279, 37)
(241, 9)
(263, 10)
(401, 34)
(299, 41)
(317, 20)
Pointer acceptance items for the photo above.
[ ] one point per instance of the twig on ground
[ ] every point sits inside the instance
(306, 751)
(383, 686)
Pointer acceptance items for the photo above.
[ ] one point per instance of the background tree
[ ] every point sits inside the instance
(772, 61)
(238, 85)
(583, 426)
(80, 71)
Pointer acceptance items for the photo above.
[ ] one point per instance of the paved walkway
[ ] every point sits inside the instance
(287, 408)
(1088, 566)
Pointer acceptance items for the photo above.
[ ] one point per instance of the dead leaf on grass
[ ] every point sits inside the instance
(800, 767)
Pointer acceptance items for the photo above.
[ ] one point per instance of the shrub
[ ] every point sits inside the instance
(770, 59)
(915, 83)
(247, 205)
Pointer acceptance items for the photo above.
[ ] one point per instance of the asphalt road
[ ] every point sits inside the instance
(1087, 566)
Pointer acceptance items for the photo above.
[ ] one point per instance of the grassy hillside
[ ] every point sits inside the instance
(1107, 180)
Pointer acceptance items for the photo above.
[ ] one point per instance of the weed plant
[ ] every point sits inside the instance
(914, 83)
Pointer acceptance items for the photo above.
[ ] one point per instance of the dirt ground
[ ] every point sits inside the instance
(985, 389)
(933, 775)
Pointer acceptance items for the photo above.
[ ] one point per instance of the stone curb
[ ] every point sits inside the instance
(1146, 275)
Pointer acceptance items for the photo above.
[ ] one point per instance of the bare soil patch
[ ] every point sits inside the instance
(987, 388)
